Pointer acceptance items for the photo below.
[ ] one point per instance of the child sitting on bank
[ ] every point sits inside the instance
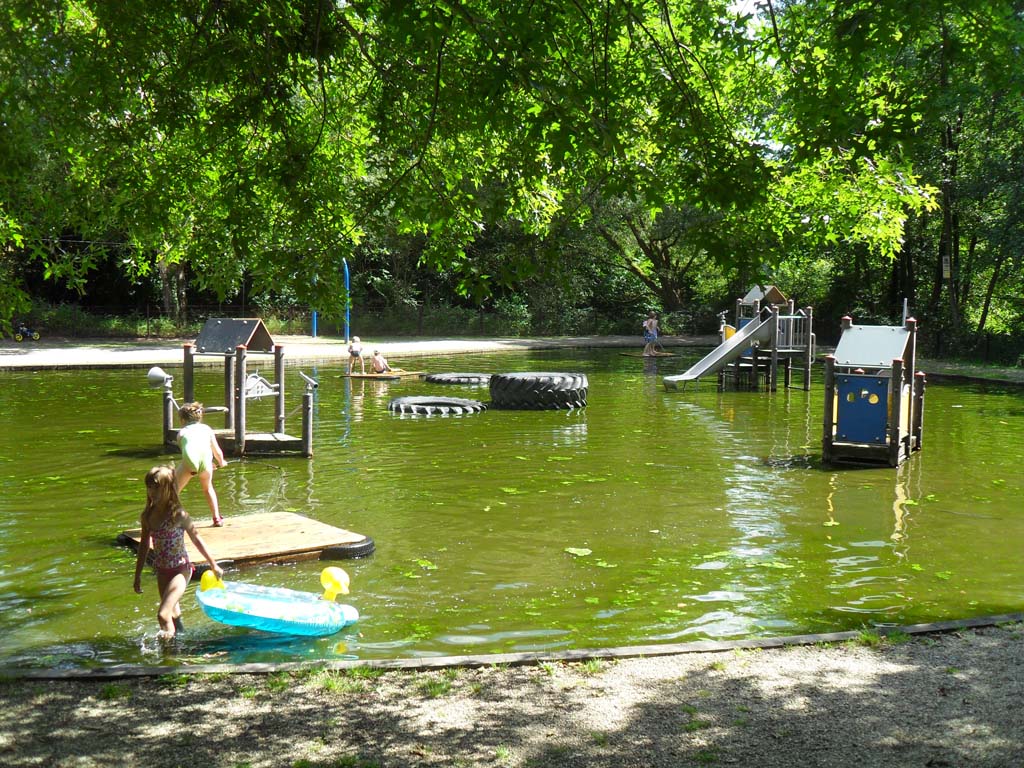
(355, 352)
(164, 525)
(200, 452)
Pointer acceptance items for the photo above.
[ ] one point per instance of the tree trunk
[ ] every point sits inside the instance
(993, 281)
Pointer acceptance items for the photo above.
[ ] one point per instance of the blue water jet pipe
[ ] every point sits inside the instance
(348, 298)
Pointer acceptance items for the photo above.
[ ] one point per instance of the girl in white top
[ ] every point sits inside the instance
(200, 451)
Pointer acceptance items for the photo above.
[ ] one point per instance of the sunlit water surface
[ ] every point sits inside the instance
(707, 515)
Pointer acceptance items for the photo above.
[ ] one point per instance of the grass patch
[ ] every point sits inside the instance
(697, 725)
(435, 686)
(278, 682)
(868, 638)
(174, 681)
(114, 691)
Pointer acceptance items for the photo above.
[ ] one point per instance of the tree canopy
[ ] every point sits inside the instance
(266, 141)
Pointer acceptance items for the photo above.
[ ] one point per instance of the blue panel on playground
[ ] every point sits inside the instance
(740, 325)
(863, 409)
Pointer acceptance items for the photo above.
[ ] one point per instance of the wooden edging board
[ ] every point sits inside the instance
(516, 659)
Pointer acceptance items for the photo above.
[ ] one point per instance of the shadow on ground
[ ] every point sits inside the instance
(948, 700)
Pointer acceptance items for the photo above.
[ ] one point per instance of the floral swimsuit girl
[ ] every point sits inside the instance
(169, 554)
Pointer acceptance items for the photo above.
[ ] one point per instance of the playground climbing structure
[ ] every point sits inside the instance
(874, 398)
(234, 340)
(763, 339)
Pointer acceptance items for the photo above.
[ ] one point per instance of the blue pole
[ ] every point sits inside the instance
(314, 312)
(348, 298)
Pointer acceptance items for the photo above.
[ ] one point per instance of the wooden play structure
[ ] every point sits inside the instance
(874, 399)
(234, 340)
(769, 332)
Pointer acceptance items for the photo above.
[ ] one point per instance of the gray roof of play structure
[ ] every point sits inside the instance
(220, 336)
(871, 346)
(766, 294)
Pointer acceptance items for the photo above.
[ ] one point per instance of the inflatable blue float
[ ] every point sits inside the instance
(276, 609)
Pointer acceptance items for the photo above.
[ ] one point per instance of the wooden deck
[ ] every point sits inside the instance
(272, 443)
(269, 537)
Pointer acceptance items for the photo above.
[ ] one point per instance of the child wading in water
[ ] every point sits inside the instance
(199, 451)
(164, 525)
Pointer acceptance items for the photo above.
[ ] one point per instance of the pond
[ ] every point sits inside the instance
(707, 515)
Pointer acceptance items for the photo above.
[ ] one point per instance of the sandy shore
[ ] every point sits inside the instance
(951, 699)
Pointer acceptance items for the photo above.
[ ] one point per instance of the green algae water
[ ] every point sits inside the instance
(648, 517)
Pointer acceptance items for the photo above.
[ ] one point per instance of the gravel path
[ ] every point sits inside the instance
(953, 699)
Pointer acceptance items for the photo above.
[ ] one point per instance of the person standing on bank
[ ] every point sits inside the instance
(650, 333)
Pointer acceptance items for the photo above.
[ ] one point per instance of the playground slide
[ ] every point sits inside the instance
(725, 352)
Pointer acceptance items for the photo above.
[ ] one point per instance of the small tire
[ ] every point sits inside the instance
(458, 378)
(35, 335)
(423, 405)
(350, 551)
(539, 391)
(18, 337)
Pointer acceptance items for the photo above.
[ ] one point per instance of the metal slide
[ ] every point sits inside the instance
(725, 353)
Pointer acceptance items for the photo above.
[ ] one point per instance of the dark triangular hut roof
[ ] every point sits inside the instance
(221, 335)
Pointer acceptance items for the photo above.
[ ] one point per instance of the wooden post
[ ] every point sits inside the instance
(188, 375)
(279, 380)
(773, 372)
(168, 416)
(830, 405)
(918, 427)
(809, 352)
(240, 400)
(896, 399)
(307, 423)
(910, 355)
(229, 392)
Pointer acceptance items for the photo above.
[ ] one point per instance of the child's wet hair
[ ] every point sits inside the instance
(191, 412)
(158, 476)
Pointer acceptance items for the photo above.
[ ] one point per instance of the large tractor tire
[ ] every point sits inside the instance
(457, 378)
(422, 405)
(539, 391)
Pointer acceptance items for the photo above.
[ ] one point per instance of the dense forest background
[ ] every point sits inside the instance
(556, 166)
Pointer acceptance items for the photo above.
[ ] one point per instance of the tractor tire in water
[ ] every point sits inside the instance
(423, 405)
(539, 391)
(349, 551)
(457, 378)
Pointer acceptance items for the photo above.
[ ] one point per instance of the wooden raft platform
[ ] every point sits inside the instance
(394, 373)
(269, 537)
